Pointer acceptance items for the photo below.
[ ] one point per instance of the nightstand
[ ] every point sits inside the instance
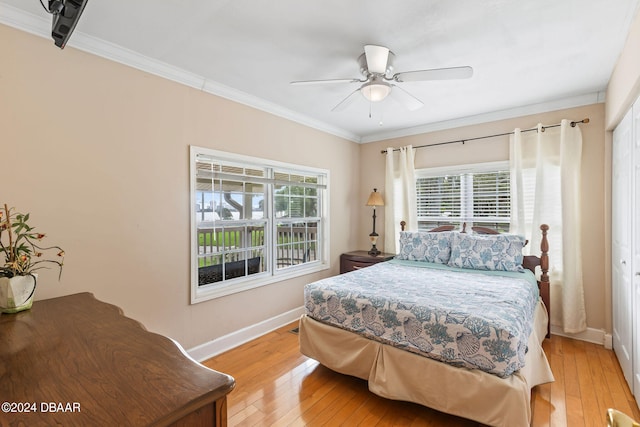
(356, 260)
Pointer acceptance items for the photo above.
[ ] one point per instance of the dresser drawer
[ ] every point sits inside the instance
(349, 265)
(356, 260)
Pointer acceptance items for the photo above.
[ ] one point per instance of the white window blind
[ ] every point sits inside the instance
(475, 194)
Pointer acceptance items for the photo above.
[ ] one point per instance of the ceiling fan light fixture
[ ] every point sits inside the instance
(375, 90)
(376, 66)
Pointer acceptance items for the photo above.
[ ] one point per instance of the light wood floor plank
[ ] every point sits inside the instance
(573, 398)
(598, 376)
(590, 408)
(624, 400)
(558, 416)
(277, 386)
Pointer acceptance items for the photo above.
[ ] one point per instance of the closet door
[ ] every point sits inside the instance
(622, 292)
(635, 245)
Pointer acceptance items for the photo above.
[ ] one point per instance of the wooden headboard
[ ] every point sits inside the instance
(529, 262)
(449, 227)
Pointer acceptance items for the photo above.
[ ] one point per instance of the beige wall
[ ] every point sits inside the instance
(99, 154)
(495, 149)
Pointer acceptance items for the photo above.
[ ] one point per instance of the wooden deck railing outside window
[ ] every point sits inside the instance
(233, 245)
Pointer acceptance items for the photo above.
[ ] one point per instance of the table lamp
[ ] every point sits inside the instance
(375, 199)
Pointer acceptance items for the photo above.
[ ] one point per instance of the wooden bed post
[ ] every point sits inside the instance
(544, 254)
(544, 277)
(402, 225)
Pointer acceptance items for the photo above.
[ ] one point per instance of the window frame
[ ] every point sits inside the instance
(457, 170)
(273, 274)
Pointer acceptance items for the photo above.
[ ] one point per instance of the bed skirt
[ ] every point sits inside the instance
(471, 394)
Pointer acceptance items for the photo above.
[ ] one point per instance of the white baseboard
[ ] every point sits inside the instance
(596, 336)
(220, 345)
(608, 341)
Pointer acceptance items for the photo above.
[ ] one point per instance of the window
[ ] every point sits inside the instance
(476, 194)
(254, 222)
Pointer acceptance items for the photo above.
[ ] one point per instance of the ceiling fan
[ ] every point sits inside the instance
(376, 65)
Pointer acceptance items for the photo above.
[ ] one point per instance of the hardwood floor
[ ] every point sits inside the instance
(278, 386)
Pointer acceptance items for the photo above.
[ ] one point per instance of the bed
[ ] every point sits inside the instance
(429, 327)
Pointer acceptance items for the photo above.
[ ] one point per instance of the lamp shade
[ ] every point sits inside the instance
(375, 199)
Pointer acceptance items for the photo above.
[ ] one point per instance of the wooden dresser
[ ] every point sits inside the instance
(76, 361)
(355, 260)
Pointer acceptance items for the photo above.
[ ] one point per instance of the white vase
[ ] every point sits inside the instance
(16, 293)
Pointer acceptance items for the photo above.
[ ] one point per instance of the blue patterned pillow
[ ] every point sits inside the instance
(425, 246)
(487, 251)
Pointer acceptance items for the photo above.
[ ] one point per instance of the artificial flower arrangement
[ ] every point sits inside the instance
(23, 256)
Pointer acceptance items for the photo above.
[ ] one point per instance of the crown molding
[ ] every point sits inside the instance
(40, 26)
(21, 20)
(558, 104)
(227, 92)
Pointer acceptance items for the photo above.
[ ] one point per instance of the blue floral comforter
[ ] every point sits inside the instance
(468, 318)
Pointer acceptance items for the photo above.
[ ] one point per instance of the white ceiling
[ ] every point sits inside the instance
(527, 55)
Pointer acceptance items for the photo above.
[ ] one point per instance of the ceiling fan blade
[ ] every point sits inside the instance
(434, 74)
(377, 57)
(342, 105)
(405, 98)
(329, 81)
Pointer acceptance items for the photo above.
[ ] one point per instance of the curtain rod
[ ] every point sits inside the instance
(573, 124)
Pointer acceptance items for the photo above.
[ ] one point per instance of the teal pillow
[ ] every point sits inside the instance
(425, 246)
(502, 252)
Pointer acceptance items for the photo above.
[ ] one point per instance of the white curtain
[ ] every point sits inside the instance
(545, 189)
(400, 195)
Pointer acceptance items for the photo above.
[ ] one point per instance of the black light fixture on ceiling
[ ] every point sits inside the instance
(375, 199)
